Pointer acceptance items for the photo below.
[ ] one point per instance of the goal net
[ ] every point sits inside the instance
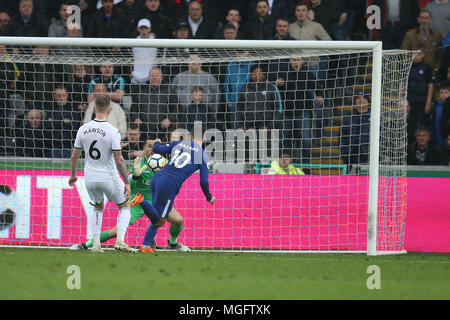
(296, 159)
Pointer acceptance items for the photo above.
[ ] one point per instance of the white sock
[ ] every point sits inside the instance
(123, 221)
(96, 223)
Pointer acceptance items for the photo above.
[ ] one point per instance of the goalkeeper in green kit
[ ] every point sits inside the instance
(140, 176)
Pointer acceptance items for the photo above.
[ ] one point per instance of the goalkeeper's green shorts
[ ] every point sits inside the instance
(136, 212)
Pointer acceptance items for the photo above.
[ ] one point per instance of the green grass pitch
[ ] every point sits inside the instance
(42, 274)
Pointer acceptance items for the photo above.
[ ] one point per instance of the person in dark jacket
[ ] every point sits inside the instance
(151, 105)
(445, 157)
(62, 121)
(296, 85)
(355, 132)
(27, 23)
(198, 110)
(32, 138)
(200, 26)
(104, 22)
(422, 152)
(259, 104)
(397, 20)
(445, 118)
(128, 19)
(161, 25)
(420, 91)
(278, 8)
(262, 26)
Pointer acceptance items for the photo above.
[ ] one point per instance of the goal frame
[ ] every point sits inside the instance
(374, 46)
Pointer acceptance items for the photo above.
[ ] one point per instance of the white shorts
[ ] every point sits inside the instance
(112, 189)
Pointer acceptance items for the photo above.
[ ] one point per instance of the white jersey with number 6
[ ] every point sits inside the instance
(98, 139)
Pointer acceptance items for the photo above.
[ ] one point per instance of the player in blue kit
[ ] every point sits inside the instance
(185, 159)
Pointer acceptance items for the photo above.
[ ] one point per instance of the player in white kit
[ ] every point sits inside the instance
(103, 160)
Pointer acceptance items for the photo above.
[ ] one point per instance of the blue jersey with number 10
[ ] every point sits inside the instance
(185, 159)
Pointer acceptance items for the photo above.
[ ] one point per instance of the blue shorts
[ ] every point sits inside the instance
(163, 195)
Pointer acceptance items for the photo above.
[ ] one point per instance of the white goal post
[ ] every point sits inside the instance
(386, 85)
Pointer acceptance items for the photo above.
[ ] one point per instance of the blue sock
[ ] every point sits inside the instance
(150, 234)
(150, 211)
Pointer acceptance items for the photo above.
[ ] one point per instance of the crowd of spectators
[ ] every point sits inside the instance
(286, 94)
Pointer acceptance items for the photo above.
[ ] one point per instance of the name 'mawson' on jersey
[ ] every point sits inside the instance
(185, 159)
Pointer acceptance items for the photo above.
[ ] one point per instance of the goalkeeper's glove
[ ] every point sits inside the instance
(137, 167)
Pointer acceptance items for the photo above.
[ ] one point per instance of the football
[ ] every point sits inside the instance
(8, 207)
(156, 162)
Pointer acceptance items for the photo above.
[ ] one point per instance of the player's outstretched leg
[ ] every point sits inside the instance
(149, 238)
(104, 236)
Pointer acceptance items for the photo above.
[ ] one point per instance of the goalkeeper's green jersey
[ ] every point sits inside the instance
(142, 184)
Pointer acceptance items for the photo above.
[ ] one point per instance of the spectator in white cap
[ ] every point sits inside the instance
(143, 57)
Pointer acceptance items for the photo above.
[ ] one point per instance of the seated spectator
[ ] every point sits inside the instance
(143, 57)
(104, 22)
(32, 138)
(440, 11)
(355, 132)
(277, 9)
(114, 83)
(201, 27)
(426, 39)
(128, 19)
(283, 165)
(133, 144)
(162, 26)
(229, 32)
(151, 107)
(116, 117)
(234, 18)
(4, 20)
(282, 30)
(63, 122)
(59, 27)
(27, 23)
(436, 115)
(183, 83)
(258, 103)
(399, 17)
(197, 111)
(420, 91)
(262, 26)
(422, 152)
